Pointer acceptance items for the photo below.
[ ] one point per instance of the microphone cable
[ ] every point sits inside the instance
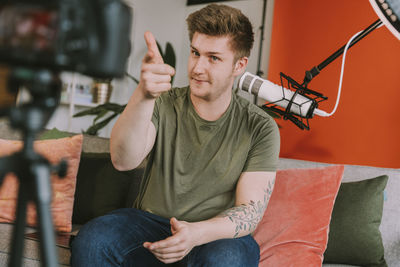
(323, 113)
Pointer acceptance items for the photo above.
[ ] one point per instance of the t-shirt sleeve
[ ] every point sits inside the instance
(156, 113)
(264, 151)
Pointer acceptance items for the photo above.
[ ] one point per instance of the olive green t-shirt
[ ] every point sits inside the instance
(194, 166)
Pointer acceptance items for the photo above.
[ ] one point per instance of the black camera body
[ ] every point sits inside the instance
(38, 40)
(86, 36)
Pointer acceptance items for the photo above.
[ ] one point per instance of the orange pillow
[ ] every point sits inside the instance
(295, 226)
(63, 188)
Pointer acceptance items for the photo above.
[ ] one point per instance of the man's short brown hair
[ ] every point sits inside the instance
(223, 20)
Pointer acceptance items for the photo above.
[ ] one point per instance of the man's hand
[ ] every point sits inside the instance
(177, 246)
(155, 76)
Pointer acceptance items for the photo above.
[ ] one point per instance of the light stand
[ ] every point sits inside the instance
(260, 48)
(32, 169)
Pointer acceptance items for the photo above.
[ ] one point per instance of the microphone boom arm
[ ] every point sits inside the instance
(310, 74)
(315, 97)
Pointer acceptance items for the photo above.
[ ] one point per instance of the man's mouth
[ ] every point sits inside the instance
(200, 81)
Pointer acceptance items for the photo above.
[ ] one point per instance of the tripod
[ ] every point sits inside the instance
(32, 169)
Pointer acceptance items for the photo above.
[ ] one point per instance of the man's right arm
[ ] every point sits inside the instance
(133, 135)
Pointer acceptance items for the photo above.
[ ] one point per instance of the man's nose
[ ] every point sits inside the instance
(200, 65)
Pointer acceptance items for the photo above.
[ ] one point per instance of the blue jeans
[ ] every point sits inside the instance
(117, 238)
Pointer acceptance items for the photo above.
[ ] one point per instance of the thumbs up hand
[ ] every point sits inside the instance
(155, 76)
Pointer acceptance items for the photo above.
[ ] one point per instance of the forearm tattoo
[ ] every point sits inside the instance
(247, 216)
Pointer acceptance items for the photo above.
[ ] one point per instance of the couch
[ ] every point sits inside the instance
(92, 200)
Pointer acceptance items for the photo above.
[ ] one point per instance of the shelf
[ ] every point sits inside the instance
(78, 99)
(79, 104)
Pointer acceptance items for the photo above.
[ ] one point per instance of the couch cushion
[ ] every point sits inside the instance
(91, 144)
(63, 189)
(31, 254)
(338, 265)
(354, 236)
(101, 188)
(390, 226)
(295, 225)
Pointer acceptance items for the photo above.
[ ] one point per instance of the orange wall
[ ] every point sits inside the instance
(365, 130)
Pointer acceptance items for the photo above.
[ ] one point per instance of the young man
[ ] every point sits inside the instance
(211, 156)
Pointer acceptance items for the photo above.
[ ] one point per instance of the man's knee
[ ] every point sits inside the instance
(227, 252)
(115, 236)
(96, 240)
(89, 234)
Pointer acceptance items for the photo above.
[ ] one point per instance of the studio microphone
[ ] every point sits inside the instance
(301, 105)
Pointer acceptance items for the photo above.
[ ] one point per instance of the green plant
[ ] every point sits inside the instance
(105, 113)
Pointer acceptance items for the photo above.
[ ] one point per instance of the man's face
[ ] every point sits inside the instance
(211, 67)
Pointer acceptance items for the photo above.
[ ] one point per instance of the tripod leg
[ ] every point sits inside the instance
(43, 201)
(19, 228)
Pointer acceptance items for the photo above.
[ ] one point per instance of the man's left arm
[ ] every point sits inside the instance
(253, 192)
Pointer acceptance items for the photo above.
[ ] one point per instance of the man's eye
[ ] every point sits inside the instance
(214, 58)
(195, 53)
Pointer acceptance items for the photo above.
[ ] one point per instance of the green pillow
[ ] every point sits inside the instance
(100, 188)
(354, 235)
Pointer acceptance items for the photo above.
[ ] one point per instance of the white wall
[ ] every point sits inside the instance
(166, 20)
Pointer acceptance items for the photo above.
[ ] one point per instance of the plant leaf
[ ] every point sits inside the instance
(100, 115)
(160, 49)
(133, 78)
(101, 108)
(93, 130)
(117, 108)
(169, 57)
(90, 111)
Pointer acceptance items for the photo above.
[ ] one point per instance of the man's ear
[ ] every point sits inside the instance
(240, 66)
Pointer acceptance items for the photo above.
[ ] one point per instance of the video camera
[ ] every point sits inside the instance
(38, 40)
(87, 36)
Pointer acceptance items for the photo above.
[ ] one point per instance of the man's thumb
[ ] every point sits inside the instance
(174, 224)
(153, 54)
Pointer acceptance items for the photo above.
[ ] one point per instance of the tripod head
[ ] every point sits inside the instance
(44, 88)
(31, 117)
